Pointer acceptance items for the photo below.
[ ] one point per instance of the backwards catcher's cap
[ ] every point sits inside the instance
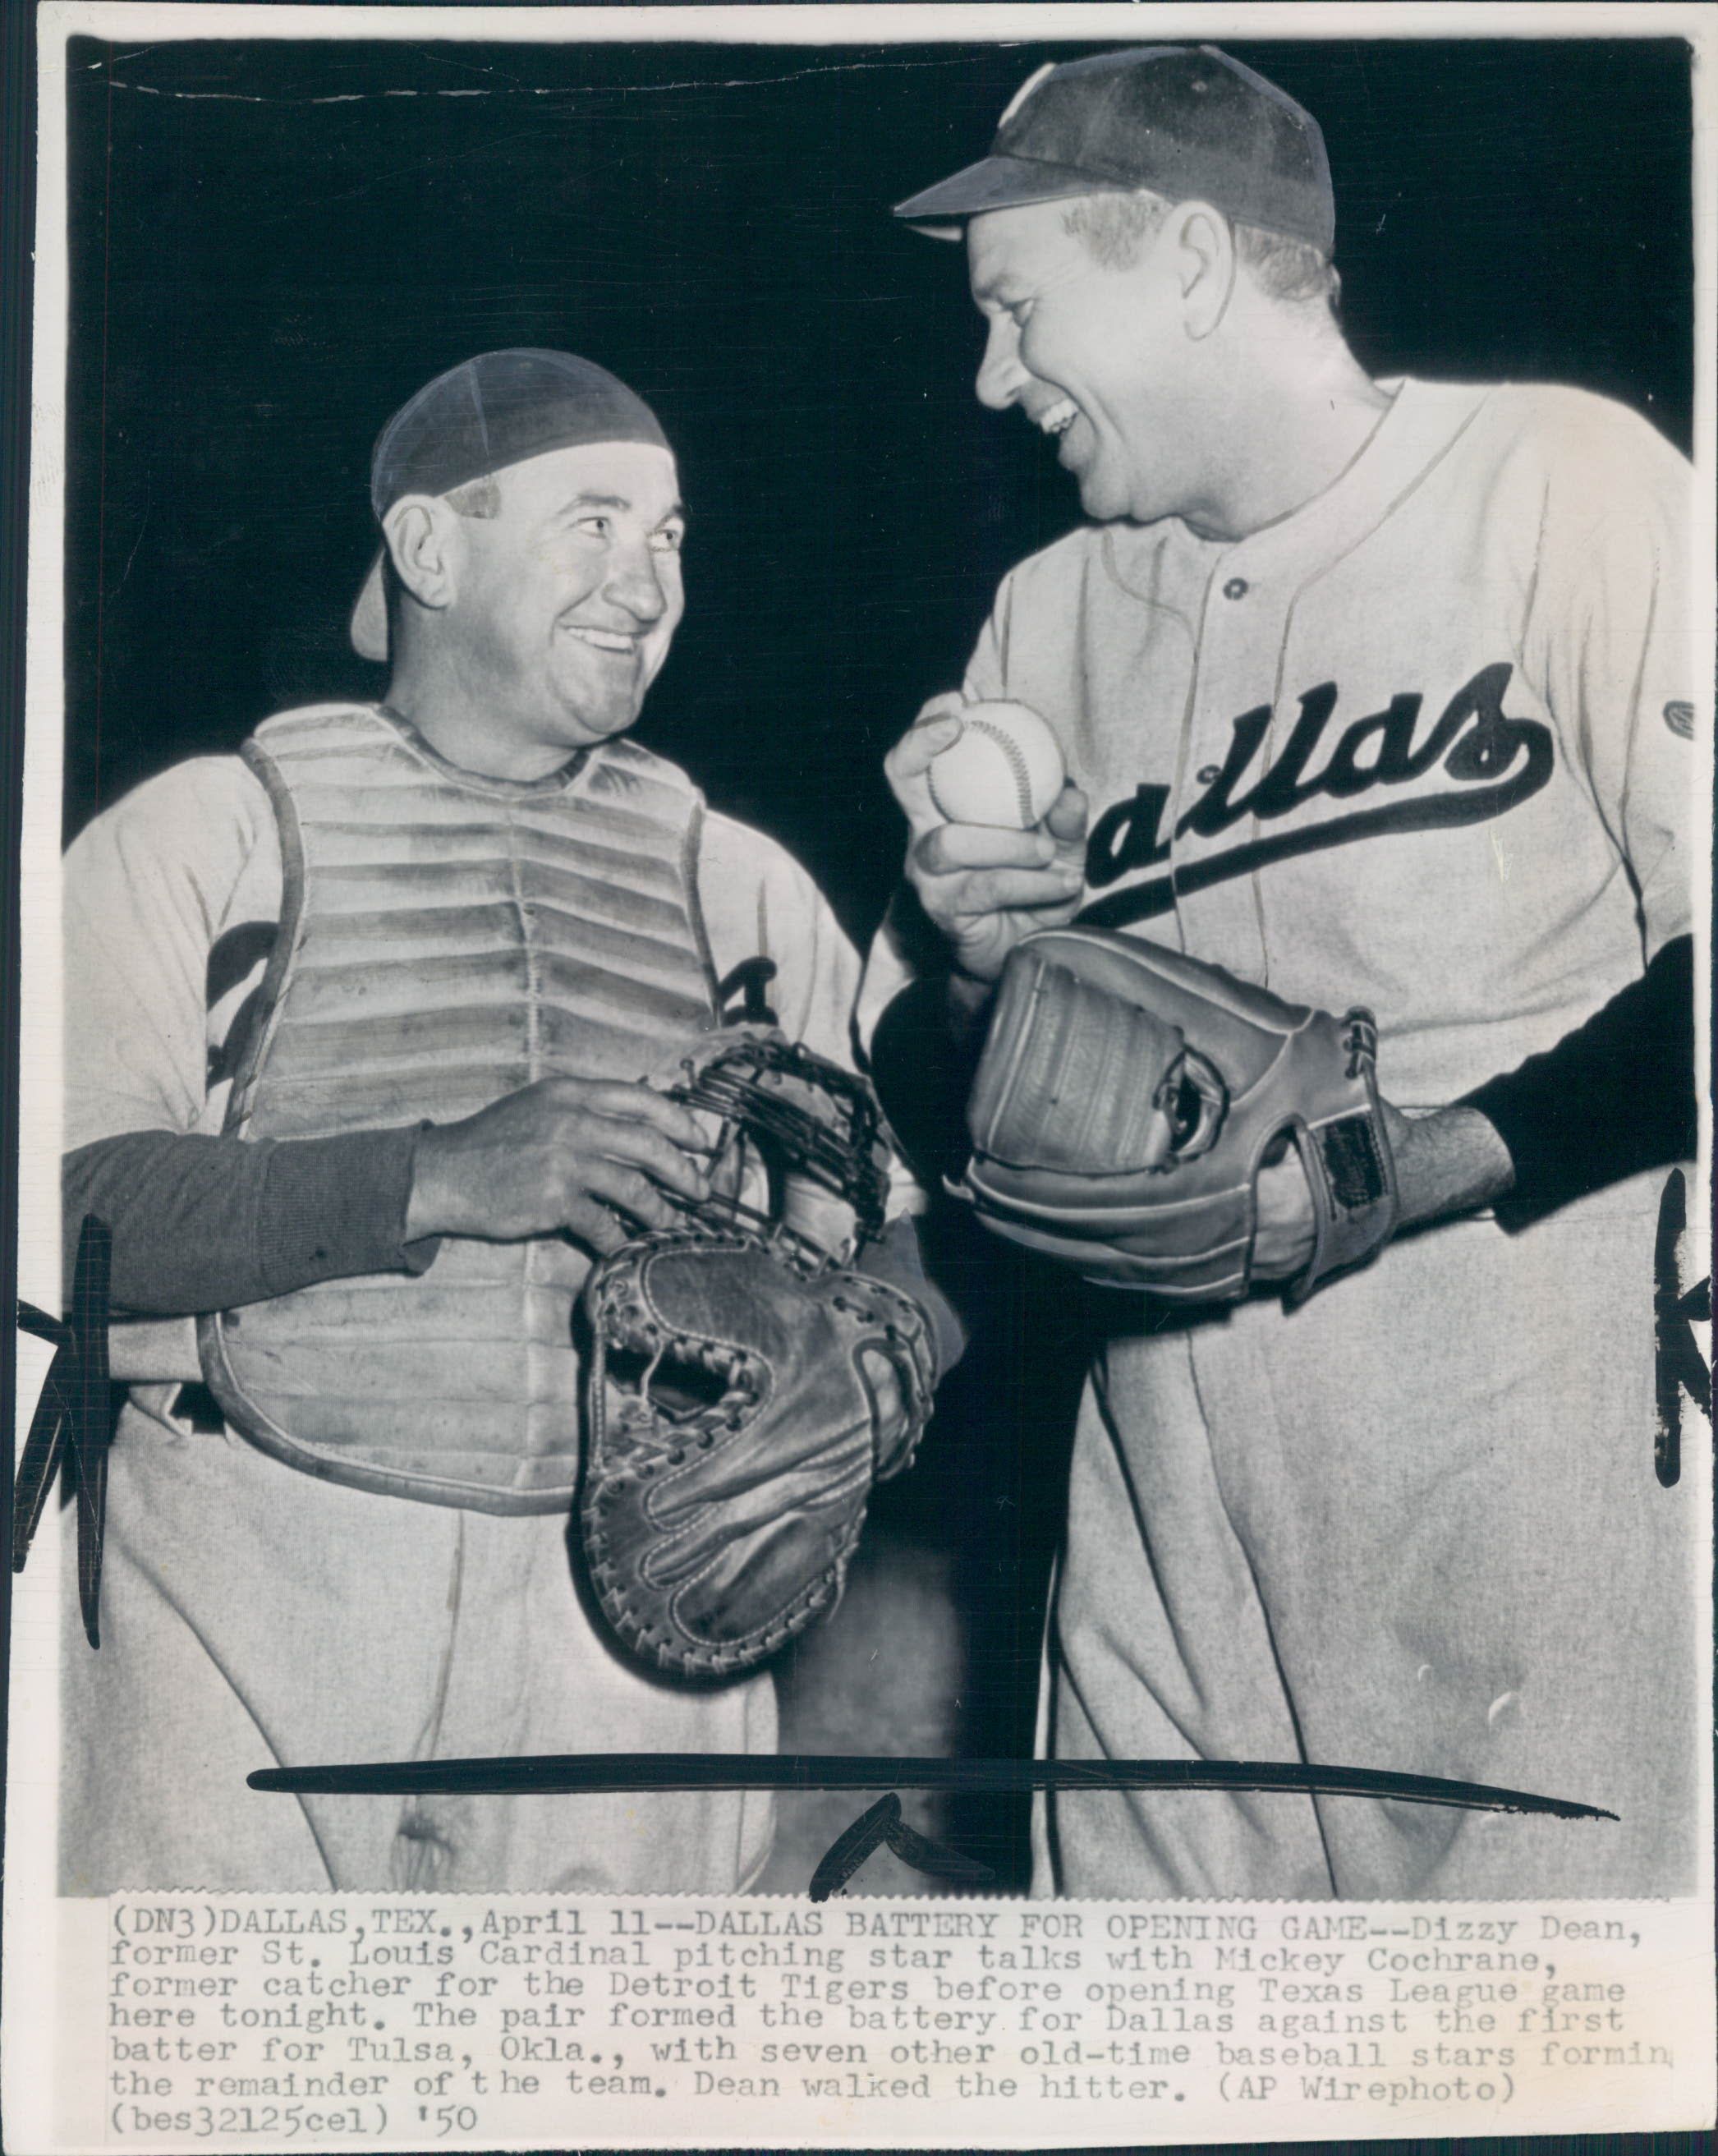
(1188, 122)
(490, 412)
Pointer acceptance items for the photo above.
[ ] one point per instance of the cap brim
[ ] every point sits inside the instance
(369, 622)
(1000, 183)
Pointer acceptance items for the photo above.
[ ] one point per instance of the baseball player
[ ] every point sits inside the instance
(1377, 694)
(359, 1026)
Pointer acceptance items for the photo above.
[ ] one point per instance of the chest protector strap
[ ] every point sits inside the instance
(446, 939)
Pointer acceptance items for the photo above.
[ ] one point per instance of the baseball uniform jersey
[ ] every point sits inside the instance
(256, 1614)
(1424, 745)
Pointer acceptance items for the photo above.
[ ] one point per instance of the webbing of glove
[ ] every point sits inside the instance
(741, 1398)
(806, 1114)
(1128, 1096)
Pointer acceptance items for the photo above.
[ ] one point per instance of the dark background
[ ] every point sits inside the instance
(273, 244)
(260, 278)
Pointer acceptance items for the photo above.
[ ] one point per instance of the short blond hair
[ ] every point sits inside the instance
(1112, 226)
(477, 497)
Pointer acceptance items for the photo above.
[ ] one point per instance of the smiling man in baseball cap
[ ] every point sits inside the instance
(559, 588)
(1161, 397)
(1188, 125)
(361, 1022)
(1379, 694)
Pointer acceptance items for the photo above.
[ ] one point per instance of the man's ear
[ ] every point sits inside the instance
(426, 546)
(1204, 245)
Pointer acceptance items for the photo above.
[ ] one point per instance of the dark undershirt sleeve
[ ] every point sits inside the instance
(203, 1223)
(923, 1075)
(1609, 1101)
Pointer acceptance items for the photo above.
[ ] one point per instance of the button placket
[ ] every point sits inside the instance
(1239, 649)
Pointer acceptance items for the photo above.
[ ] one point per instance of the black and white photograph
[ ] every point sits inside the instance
(865, 900)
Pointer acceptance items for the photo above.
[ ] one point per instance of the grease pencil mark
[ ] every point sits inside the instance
(1677, 1365)
(586, 1774)
(632, 1773)
(883, 1823)
(73, 1425)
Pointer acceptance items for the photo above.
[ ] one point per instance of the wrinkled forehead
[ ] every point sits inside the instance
(639, 478)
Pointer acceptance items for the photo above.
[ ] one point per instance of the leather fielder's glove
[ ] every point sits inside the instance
(745, 1388)
(1128, 1096)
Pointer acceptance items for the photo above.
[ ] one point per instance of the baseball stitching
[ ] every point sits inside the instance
(1016, 762)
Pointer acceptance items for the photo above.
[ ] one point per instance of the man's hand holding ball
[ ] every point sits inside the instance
(1003, 769)
(998, 844)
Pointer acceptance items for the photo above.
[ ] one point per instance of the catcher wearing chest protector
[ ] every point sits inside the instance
(460, 1210)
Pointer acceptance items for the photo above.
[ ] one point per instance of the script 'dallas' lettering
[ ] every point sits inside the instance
(1497, 762)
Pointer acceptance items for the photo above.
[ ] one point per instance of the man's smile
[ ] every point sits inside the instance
(1054, 416)
(606, 640)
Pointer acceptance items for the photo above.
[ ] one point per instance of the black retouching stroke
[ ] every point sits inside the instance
(601, 1772)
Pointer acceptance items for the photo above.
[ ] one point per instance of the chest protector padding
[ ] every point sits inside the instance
(445, 940)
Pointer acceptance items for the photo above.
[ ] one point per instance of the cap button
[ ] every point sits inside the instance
(1235, 588)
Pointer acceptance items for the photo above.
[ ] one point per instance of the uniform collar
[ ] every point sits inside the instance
(515, 789)
(1423, 422)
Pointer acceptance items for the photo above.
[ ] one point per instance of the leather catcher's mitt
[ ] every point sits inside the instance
(746, 1387)
(1128, 1096)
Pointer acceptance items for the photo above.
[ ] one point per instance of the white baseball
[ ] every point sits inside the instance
(1004, 768)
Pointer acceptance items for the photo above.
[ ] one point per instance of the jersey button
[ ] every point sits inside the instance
(1235, 588)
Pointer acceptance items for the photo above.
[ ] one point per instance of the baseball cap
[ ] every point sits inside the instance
(1186, 121)
(479, 417)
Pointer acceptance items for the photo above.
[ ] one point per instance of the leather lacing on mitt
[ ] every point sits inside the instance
(746, 1386)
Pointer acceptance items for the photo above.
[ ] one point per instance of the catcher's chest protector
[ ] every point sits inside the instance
(446, 940)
